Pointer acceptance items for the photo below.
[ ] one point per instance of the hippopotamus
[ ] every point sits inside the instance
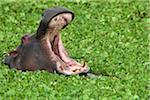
(44, 50)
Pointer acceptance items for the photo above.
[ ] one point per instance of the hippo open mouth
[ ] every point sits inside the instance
(71, 66)
(68, 65)
(44, 50)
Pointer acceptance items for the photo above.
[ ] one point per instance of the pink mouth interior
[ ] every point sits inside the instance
(56, 48)
(72, 67)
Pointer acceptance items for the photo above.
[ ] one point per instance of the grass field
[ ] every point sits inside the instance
(111, 36)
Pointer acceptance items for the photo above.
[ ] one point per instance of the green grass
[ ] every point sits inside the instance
(111, 36)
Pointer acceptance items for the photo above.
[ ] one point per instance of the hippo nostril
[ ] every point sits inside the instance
(66, 21)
